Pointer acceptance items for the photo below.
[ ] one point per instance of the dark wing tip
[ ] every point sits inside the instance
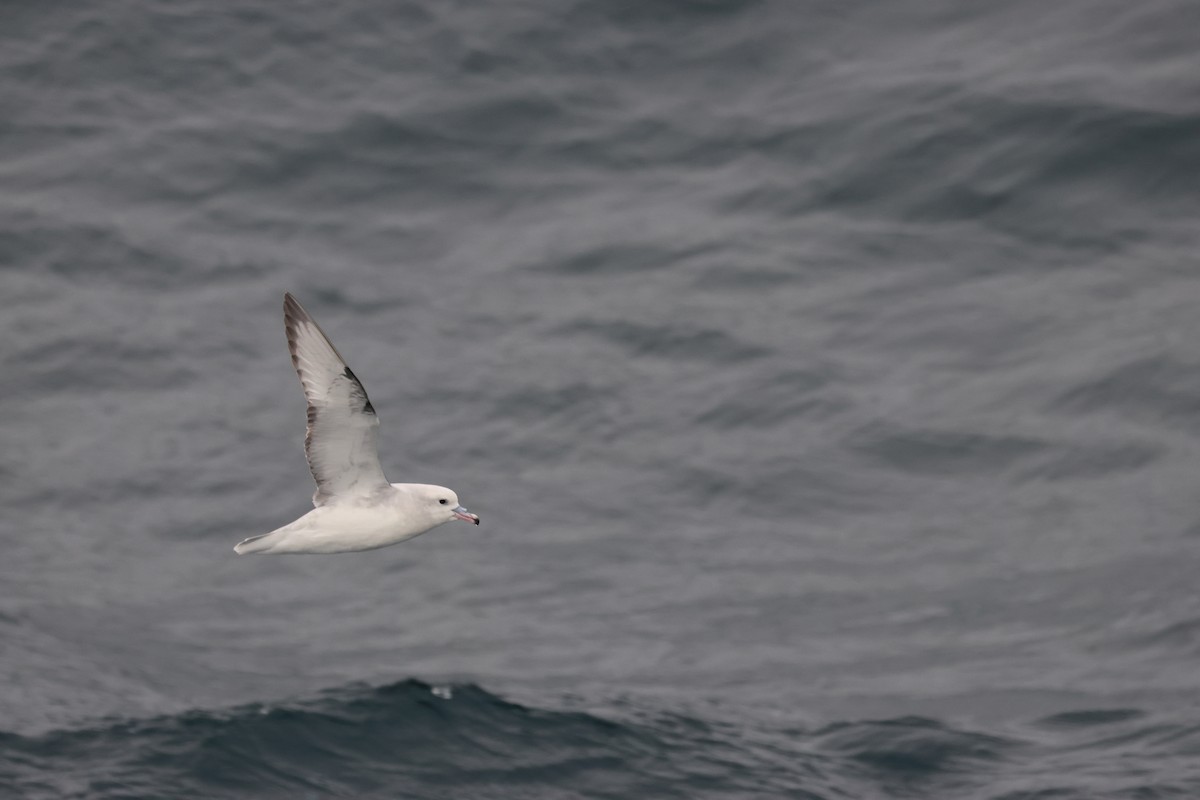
(293, 316)
(293, 312)
(292, 308)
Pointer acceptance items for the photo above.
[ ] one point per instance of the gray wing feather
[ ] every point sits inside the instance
(341, 443)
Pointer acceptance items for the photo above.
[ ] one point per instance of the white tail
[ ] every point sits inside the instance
(255, 544)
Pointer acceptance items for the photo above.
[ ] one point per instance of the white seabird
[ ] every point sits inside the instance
(355, 508)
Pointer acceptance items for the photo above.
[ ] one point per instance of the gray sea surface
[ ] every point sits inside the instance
(826, 376)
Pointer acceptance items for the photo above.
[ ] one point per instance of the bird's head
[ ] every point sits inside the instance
(442, 504)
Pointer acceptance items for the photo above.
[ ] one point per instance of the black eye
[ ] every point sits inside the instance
(442, 501)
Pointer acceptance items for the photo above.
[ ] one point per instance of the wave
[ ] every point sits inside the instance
(408, 739)
(415, 740)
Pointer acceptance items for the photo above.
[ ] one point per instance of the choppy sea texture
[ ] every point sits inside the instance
(825, 376)
(413, 740)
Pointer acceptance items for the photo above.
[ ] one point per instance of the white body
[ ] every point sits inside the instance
(364, 523)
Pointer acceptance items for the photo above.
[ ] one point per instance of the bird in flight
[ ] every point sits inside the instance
(355, 508)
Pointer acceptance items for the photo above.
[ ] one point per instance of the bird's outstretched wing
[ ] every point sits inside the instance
(342, 426)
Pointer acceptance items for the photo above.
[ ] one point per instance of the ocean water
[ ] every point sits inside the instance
(826, 376)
